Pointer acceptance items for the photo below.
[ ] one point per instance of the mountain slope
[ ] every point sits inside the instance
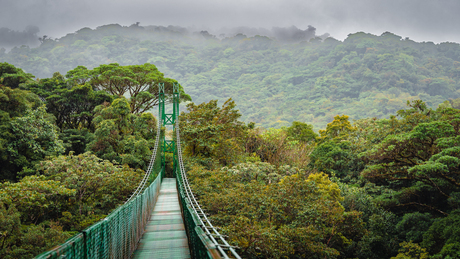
(273, 83)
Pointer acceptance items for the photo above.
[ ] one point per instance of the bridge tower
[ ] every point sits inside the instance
(169, 119)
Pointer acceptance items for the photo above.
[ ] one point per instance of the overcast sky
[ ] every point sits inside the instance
(420, 20)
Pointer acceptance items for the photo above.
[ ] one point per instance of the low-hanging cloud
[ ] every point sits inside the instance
(421, 20)
(10, 38)
(283, 34)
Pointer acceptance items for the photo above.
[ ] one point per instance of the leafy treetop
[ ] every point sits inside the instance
(138, 82)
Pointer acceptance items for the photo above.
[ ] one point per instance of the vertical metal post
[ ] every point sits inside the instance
(162, 116)
(175, 113)
(168, 120)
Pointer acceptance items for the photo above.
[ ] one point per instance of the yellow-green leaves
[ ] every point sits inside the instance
(338, 129)
(411, 250)
(99, 186)
(295, 217)
(35, 197)
(325, 186)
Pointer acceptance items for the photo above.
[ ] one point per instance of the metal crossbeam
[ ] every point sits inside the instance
(169, 119)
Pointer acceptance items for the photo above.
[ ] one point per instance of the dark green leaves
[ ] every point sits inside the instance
(212, 132)
(12, 76)
(138, 82)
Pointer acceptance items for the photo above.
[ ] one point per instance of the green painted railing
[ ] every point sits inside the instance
(117, 235)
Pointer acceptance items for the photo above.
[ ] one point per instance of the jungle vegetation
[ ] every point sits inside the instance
(373, 188)
(360, 160)
(275, 81)
(72, 149)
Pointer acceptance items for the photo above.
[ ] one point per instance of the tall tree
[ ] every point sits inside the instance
(138, 82)
(301, 131)
(71, 105)
(12, 76)
(210, 132)
(333, 153)
(26, 132)
(27, 140)
(421, 164)
(123, 136)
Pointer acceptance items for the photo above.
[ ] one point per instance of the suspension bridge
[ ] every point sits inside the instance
(161, 219)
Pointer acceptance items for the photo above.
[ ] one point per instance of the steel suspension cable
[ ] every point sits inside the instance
(148, 172)
(205, 223)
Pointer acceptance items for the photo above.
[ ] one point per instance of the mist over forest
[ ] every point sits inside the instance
(276, 76)
(11, 38)
(298, 144)
(30, 35)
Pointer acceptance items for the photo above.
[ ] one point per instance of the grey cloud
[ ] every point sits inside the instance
(284, 34)
(421, 20)
(10, 38)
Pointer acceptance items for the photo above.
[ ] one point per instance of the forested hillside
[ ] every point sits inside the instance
(274, 82)
(362, 161)
(375, 188)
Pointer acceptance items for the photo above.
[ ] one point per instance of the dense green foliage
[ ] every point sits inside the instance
(267, 217)
(389, 187)
(208, 129)
(69, 153)
(26, 133)
(273, 82)
(68, 194)
(72, 106)
(123, 136)
(12, 76)
(383, 185)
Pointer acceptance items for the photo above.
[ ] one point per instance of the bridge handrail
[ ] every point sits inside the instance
(204, 224)
(117, 235)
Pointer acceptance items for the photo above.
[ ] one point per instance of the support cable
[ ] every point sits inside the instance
(142, 185)
(205, 223)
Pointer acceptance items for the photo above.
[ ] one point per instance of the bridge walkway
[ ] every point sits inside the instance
(164, 236)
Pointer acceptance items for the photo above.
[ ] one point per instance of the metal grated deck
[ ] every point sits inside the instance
(165, 235)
